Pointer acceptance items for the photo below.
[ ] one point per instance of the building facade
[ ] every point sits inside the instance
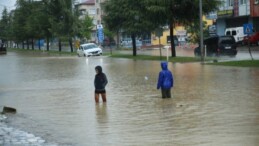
(236, 13)
(233, 13)
(254, 10)
(93, 9)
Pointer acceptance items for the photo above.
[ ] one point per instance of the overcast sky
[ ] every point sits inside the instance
(9, 4)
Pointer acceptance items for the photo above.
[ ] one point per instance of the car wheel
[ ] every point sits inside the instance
(84, 55)
(257, 43)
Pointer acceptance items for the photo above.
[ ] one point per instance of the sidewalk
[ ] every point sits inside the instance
(13, 137)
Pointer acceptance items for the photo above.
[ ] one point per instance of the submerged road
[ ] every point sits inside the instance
(54, 97)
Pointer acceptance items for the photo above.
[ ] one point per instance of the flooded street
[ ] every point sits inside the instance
(54, 97)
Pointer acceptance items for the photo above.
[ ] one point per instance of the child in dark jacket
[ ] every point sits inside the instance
(100, 82)
(165, 81)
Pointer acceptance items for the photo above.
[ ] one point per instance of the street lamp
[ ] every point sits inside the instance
(201, 32)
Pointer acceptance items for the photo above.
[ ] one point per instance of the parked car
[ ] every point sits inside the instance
(237, 33)
(218, 45)
(89, 49)
(253, 39)
(2, 47)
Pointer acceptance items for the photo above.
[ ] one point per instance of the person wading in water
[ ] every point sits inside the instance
(100, 81)
(165, 81)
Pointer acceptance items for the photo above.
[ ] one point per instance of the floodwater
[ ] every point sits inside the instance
(211, 105)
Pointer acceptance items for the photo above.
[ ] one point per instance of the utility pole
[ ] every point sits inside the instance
(201, 32)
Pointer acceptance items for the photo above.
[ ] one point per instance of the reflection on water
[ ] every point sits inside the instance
(54, 96)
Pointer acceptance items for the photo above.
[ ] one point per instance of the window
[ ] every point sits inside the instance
(230, 2)
(92, 12)
(82, 12)
(94, 34)
(97, 1)
(97, 11)
(228, 33)
(242, 2)
(94, 22)
(234, 32)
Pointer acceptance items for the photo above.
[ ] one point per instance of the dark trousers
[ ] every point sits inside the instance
(166, 93)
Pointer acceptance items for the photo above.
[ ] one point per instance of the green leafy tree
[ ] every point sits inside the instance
(193, 30)
(171, 12)
(20, 18)
(86, 27)
(5, 25)
(64, 21)
(130, 16)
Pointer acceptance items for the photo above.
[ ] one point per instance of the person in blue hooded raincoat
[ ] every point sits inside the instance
(165, 81)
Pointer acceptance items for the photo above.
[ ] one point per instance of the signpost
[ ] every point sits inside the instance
(100, 34)
(248, 29)
(159, 33)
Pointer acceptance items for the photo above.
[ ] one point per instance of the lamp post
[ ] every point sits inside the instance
(201, 32)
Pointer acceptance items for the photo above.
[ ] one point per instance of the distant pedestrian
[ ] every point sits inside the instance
(165, 81)
(100, 82)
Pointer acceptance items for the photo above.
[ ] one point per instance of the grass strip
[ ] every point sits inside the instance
(157, 58)
(50, 52)
(241, 63)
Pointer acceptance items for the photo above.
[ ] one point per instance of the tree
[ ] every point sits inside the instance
(43, 19)
(171, 12)
(86, 27)
(194, 31)
(64, 21)
(4, 24)
(130, 16)
(20, 18)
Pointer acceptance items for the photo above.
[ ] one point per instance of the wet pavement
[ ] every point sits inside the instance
(53, 95)
(13, 137)
(243, 52)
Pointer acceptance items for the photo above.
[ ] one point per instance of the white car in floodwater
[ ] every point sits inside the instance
(89, 49)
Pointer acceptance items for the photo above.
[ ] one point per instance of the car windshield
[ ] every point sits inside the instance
(91, 46)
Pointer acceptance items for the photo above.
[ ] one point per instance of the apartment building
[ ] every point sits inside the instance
(235, 13)
(92, 8)
(232, 13)
(254, 11)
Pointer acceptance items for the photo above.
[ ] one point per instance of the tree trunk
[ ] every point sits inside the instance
(47, 43)
(172, 39)
(27, 43)
(133, 37)
(118, 40)
(39, 44)
(59, 45)
(71, 44)
(32, 44)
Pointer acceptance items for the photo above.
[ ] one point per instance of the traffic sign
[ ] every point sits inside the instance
(100, 34)
(248, 28)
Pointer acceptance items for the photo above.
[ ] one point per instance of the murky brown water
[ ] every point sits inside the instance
(211, 105)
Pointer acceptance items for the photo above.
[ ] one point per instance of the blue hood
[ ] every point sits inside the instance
(165, 79)
(164, 65)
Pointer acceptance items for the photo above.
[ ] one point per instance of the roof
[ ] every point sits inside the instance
(88, 2)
